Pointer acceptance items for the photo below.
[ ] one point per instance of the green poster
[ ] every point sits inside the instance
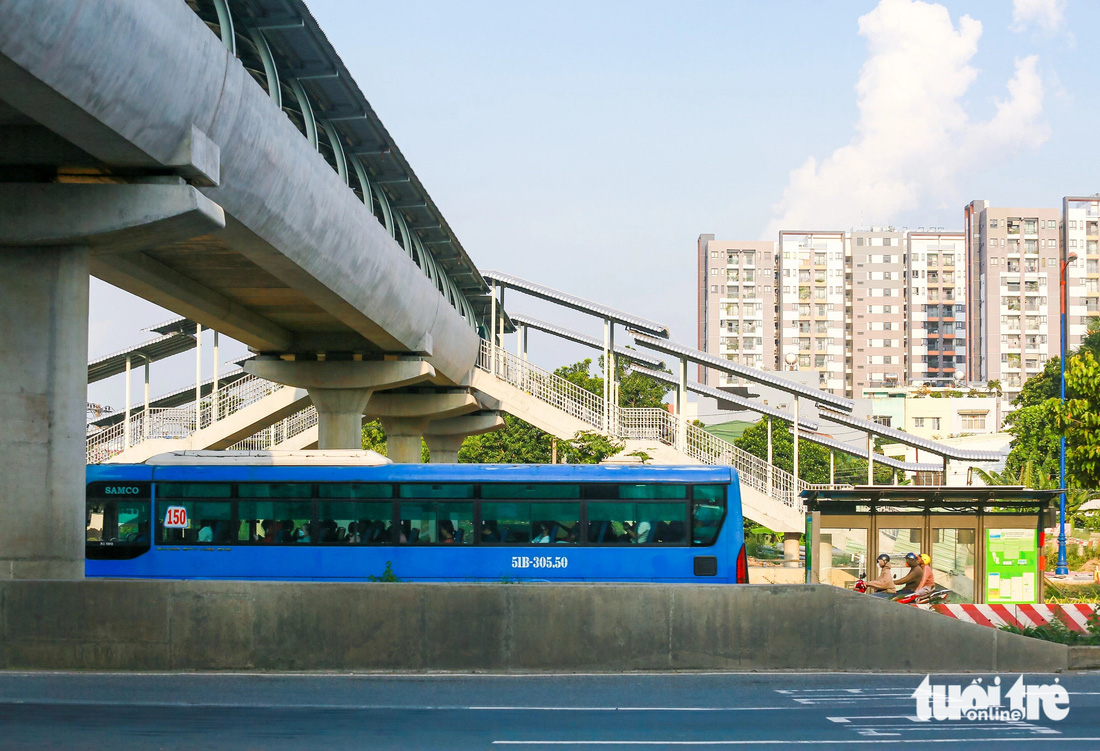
(1011, 566)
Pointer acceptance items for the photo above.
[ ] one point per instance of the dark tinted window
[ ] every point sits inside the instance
(513, 523)
(429, 522)
(429, 490)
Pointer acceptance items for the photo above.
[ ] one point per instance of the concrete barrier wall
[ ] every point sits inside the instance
(196, 625)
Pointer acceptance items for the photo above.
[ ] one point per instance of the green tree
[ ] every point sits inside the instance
(588, 447)
(1079, 420)
(635, 389)
(1035, 439)
(813, 460)
(578, 375)
(518, 442)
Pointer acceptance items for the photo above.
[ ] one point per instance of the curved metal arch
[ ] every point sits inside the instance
(361, 175)
(337, 150)
(225, 25)
(295, 87)
(468, 312)
(418, 252)
(270, 69)
(387, 212)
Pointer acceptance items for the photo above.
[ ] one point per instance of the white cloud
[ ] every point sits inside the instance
(913, 136)
(1046, 14)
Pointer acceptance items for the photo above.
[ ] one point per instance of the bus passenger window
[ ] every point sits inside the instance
(117, 522)
(429, 523)
(209, 522)
(608, 522)
(521, 523)
(708, 511)
(349, 523)
(274, 522)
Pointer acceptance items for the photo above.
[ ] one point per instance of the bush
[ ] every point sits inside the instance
(1059, 633)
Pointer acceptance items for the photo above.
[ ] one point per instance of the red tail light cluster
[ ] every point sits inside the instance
(742, 566)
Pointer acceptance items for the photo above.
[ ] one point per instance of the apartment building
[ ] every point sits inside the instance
(810, 304)
(736, 303)
(1081, 236)
(838, 307)
(1013, 258)
(936, 321)
(876, 305)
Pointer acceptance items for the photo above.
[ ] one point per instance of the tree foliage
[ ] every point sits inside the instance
(1079, 420)
(635, 389)
(518, 442)
(813, 459)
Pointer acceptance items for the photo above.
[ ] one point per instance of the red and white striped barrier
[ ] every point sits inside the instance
(1075, 616)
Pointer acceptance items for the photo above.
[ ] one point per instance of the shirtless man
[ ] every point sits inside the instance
(911, 580)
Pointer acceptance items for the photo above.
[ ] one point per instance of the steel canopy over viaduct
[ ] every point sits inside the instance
(214, 157)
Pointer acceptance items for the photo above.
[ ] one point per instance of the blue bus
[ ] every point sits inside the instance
(299, 516)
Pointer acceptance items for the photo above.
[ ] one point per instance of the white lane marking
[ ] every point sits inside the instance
(844, 742)
(363, 707)
(627, 709)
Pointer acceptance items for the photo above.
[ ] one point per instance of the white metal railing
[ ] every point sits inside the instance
(177, 422)
(273, 435)
(649, 424)
(547, 387)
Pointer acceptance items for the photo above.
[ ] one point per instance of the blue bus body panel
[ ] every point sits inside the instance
(527, 562)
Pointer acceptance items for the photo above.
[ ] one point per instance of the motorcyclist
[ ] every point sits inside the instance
(913, 579)
(885, 580)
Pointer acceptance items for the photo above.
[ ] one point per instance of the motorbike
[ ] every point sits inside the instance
(937, 596)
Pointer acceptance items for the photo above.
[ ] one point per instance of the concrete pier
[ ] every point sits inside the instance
(43, 384)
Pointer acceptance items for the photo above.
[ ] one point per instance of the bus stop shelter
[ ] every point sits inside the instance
(986, 543)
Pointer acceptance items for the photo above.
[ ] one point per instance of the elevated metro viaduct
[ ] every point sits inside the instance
(216, 158)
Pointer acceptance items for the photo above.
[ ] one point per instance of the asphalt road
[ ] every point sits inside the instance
(524, 712)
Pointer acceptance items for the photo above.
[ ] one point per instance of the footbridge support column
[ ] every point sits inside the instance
(790, 549)
(406, 415)
(445, 437)
(48, 236)
(340, 389)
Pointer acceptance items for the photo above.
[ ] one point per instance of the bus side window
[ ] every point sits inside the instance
(708, 510)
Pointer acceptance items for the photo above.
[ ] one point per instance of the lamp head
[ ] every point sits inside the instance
(1071, 257)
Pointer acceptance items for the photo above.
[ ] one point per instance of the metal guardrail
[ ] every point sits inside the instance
(649, 424)
(177, 422)
(273, 435)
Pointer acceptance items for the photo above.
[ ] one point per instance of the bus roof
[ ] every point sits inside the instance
(273, 458)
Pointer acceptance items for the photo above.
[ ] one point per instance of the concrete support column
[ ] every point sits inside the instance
(443, 449)
(790, 549)
(407, 415)
(445, 437)
(44, 362)
(403, 436)
(340, 416)
(340, 390)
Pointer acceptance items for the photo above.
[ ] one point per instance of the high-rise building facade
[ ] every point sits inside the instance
(1013, 258)
(736, 303)
(936, 320)
(880, 308)
(876, 331)
(810, 305)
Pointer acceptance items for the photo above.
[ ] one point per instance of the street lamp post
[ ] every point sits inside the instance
(1062, 567)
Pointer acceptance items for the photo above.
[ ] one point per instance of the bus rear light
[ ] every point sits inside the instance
(742, 566)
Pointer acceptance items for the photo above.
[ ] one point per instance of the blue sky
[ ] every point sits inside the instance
(586, 145)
